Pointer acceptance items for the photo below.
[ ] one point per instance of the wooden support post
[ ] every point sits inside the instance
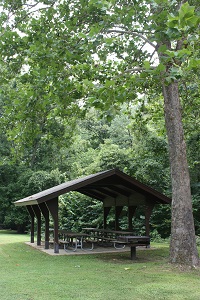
(38, 216)
(106, 211)
(131, 212)
(148, 212)
(52, 206)
(45, 213)
(32, 215)
(133, 252)
(118, 210)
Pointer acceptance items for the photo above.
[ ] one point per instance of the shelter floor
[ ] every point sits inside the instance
(96, 250)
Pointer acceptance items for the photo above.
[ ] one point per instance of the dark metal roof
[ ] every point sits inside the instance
(110, 184)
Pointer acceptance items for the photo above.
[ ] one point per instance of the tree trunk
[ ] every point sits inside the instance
(183, 249)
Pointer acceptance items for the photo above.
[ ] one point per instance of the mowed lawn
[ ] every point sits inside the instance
(28, 274)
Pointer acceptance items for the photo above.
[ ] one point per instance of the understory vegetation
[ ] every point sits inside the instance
(95, 145)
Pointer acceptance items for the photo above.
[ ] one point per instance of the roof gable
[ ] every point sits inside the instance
(103, 186)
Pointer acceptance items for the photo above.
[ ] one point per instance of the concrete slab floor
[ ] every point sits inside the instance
(79, 251)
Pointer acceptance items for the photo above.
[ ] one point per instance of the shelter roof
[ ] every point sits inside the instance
(103, 186)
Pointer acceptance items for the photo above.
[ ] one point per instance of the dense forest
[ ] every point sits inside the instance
(127, 142)
(93, 85)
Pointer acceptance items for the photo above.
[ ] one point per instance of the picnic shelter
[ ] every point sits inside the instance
(112, 187)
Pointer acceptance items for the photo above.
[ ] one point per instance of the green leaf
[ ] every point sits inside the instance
(170, 53)
(162, 48)
(186, 11)
(194, 63)
(109, 83)
(146, 64)
(161, 68)
(192, 21)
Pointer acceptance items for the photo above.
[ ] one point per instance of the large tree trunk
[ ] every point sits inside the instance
(183, 248)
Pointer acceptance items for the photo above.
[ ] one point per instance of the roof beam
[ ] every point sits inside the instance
(107, 192)
(91, 193)
(121, 191)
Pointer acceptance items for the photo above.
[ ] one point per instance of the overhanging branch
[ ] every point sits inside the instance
(133, 33)
(28, 12)
(138, 69)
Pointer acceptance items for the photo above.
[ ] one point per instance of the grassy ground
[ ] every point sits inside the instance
(28, 274)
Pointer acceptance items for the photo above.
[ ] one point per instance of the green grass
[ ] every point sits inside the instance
(28, 274)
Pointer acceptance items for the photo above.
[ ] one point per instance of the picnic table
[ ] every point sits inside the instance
(74, 240)
(98, 232)
(120, 238)
(107, 236)
(134, 241)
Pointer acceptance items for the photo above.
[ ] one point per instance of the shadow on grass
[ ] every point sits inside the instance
(7, 231)
(145, 255)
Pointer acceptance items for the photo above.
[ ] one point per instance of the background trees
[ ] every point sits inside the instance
(59, 59)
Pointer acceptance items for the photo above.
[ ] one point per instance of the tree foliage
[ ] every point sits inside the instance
(59, 59)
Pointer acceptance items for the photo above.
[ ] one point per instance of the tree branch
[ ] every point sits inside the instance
(133, 33)
(179, 44)
(38, 9)
(124, 28)
(138, 69)
(29, 12)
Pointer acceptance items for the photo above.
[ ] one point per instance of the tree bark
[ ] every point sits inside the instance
(183, 249)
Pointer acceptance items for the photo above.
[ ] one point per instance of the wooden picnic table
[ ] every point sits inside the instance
(106, 232)
(74, 240)
(120, 238)
(107, 236)
(134, 241)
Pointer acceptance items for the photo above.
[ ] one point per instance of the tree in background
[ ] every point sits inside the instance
(172, 30)
(18, 182)
(90, 53)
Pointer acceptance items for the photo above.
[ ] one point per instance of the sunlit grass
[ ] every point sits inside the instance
(28, 274)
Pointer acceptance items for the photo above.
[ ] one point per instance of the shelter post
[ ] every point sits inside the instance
(53, 208)
(133, 252)
(38, 216)
(45, 213)
(32, 215)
